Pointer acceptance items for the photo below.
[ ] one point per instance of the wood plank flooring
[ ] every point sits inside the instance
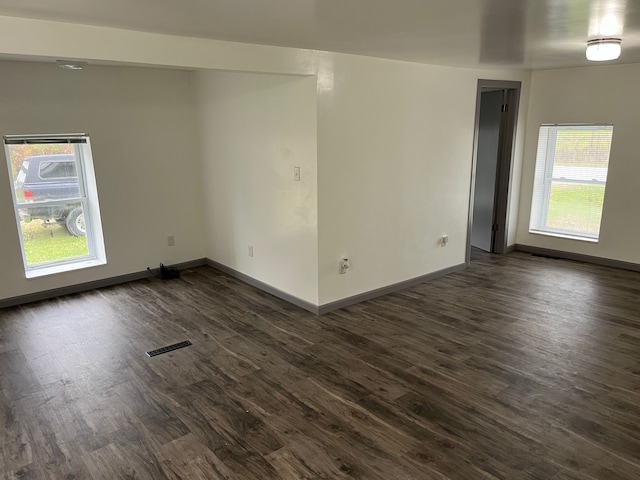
(520, 367)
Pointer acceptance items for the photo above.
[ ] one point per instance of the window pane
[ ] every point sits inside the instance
(570, 179)
(577, 147)
(575, 207)
(64, 170)
(47, 241)
(47, 177)
(21, 152)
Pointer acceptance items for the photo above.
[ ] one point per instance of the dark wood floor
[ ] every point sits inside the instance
(519, 367)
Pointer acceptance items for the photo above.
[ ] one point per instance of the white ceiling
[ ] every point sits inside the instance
(470, 33)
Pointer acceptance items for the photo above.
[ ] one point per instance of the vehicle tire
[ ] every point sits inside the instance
(75, 222)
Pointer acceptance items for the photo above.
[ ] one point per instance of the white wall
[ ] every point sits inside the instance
(394, 155)
(394, 166)
(607, 94)
(142, 124)
(255, 128)
(395, 144)
(44, 39)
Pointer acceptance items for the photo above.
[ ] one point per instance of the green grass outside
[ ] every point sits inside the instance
(576, 207)
(50, 243)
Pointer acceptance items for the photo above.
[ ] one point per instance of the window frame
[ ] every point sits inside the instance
(87, 197)
(544, 180)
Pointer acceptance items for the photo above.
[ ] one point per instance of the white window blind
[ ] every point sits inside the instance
(572, 162)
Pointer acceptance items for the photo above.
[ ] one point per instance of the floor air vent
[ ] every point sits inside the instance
(169, 348)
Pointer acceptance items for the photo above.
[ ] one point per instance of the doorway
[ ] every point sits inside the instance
(495, 128)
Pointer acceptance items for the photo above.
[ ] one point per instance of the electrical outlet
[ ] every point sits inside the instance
(171, 240)
(250, 250)
(344, 265)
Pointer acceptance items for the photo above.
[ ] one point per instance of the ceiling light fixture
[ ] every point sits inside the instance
(70, 65)
(603, 49)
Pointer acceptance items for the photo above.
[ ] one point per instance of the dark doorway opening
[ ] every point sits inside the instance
(495, 128)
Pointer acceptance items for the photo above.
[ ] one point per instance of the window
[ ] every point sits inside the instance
(65, 171)
(570, 179)
(56, 202)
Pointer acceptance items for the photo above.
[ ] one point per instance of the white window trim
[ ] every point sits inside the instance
(559, 234)
(63, 267)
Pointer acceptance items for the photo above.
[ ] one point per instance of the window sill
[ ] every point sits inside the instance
(65, 267)
(567, 236)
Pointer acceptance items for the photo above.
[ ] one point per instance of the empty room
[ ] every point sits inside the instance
(320, 240)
